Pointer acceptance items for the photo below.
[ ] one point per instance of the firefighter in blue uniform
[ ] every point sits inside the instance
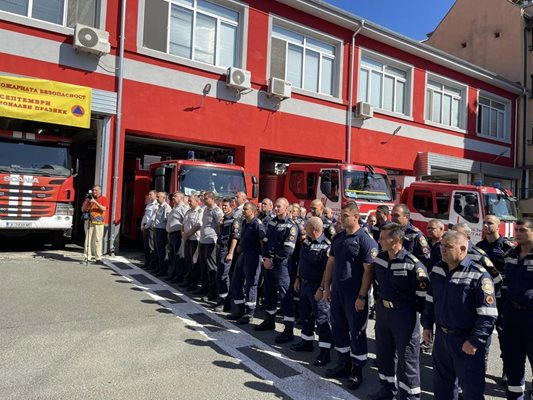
(278, 245)
(313, 259)
(382, 218)
(414, 242)
(461, 302)
(349, 271)
(229, 234)
(518, 309)
(317, 210)
(248, 266)
(403, 282)
(495, 246)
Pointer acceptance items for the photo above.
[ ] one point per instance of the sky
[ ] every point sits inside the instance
(411, 18)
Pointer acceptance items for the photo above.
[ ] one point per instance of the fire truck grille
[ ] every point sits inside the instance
(30, 202)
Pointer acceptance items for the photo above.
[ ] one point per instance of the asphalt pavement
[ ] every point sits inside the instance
(113, 331)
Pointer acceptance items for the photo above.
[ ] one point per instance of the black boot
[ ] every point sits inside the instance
(267, 325)
(247, 317)
(356, 378)
(286, 336)
(342, 369)
(302, 345)
(323, 357)
(236, 312)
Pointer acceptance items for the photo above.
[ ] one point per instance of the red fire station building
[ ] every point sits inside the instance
(265, 81)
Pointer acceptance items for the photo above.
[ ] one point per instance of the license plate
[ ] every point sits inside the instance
(17, 224)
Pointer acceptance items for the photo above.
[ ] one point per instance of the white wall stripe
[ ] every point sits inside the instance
(55, 52)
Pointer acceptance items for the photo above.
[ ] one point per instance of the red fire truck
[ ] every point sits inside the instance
(36, 185)
(189, 176)
(334, 183)
(453, 203)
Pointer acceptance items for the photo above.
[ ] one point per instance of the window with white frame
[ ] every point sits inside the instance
(492, 118)
(445, 103)
(59, 12)
(199, 30)
(306, 61)
(384, 84)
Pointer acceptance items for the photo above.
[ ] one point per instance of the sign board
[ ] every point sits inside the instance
(45, 101)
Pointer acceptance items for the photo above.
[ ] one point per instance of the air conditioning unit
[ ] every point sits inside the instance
(279, 88)
(91, 40)
(363, 110)
(239, 78)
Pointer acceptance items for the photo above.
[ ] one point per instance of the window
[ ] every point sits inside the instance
(305, 61)
(492, 118)
(466, 204)
(198, 30)
(384, 85)
(329, 184)
(301, 186)
(445, 103)
(423, 203)
(59, 12)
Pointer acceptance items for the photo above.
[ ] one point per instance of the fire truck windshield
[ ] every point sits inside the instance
(34, 159)
(366, 186)
(504, 207)
(223, 182)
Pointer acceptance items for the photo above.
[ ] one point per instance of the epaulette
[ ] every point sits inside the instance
(413, 258)
(508, 251)
(327, 241)
(508, 243)
(480, 251)
(415, 229)
(478, 266)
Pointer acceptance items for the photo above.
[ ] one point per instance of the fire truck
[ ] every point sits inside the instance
(36, 185)
(452, 203)
(189, 176)
(333, 183)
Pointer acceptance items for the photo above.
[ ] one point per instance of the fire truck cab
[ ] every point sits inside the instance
(453, 203)
(336, 184)
(36, 185)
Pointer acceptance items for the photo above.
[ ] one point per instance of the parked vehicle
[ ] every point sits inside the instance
(36, 185)
(334, 183)
(453, 203)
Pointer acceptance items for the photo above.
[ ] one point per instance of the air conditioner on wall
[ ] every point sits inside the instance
(363, 110)
(91, 40)
(239, 78)
(279, 88)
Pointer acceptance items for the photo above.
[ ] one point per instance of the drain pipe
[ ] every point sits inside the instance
(118, 128)
(350, 97)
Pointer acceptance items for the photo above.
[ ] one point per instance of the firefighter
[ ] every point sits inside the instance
(266, 211)
(518, 309)
(435, 231)
(279, 243)
(229, 234)
(461, 302)
(414, 242)
(147, 231)
(495, 246)
(174, 225)
(313, 258)
(160, 217)
(248, 266)
(317, 210)
(349, 272)
(403, 282)
(382, 219)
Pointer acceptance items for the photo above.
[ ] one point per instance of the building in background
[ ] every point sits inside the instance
(266, 82)
(497, 36)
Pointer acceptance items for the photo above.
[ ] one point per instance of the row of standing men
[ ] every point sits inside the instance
(333, 274)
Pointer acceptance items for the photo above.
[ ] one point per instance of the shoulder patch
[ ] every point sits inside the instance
(374, 252)
(487, 286)
(293, 231)
(423, 242)
(487, 263)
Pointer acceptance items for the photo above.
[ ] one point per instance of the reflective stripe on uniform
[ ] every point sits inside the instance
(516, 389)
(362, 357)
(415, 390)
(438, 270)
(342, 350)
(289, 244)
(492, 311)
(324, 345)
(429, 298)
(390, 379)
(307, 337)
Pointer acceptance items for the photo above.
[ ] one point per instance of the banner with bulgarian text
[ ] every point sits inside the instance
(45, 101)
